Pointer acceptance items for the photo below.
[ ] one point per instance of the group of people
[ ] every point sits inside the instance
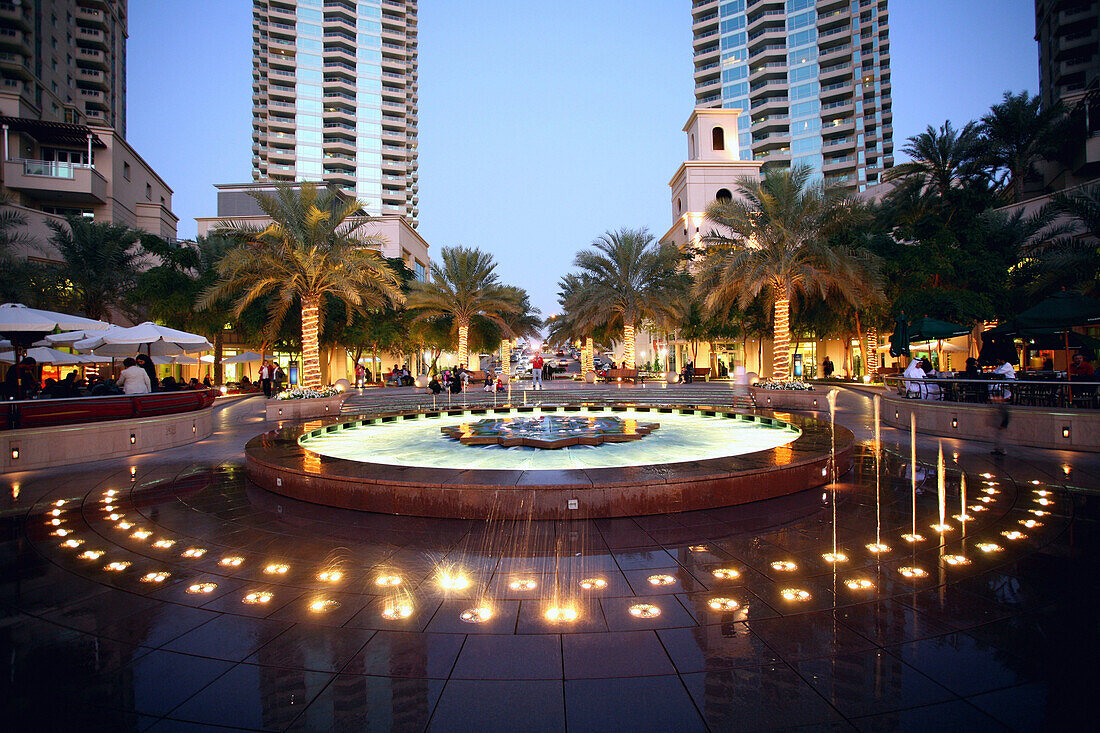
(138, 376)
(921, 369)
(271, 378)
(453, 380)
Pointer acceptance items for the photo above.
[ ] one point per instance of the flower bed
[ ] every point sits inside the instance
(789, 396)
(307, 393)
(794, 386)
(301, 404)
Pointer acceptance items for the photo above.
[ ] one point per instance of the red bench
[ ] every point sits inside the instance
(44, 413)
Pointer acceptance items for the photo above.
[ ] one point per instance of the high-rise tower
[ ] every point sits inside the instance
(65, 60)
(811, 76)
(334, 98)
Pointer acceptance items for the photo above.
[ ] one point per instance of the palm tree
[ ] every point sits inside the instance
(1019, 132)
(626, 279)
(943, 160)
(775, 243)
(464, 287)
(311, 250)
(1065, 253)
(171, 290)
(99, 263)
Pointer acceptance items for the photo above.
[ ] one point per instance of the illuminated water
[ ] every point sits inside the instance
(681, 438)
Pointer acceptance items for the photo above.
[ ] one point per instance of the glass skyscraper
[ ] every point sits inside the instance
(335, 98)
(811, 77)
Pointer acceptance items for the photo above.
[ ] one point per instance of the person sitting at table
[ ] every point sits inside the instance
(914, 371)
(434, 386)
(134, 379)
(169, 384)
(1079, 367)
(1004, 370)
(1048, 364)
(21, 381)
(194, 383)
(972, 371)
(932, 390)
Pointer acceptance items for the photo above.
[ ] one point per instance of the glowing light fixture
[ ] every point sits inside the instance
(644, 610)
(593, 583)
(194, 552)
(157, 576)
(661, 580)
(523, 585)
(116, 567)
(835, 557)
(200, 588)
(859, 584)
(784, 566)
(478, 615)
(723, 604)
(91, 555)
(795, 594)
(913, 572)
(276, 568)
(262, 596)
(393, 611)
(231, 561)
(726, 573)
(561, 614)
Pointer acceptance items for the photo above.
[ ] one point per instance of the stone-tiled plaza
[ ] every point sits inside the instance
(216, 603)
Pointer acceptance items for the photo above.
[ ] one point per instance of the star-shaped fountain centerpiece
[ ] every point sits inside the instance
(549, 431)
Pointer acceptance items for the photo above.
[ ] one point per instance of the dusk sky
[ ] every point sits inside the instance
(542, 124)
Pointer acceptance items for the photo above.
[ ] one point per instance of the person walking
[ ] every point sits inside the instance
(267, 375)
(536, 372)
(827, 367)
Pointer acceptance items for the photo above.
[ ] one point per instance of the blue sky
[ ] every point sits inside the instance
(542, 124)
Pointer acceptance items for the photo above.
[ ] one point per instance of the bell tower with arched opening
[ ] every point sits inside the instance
(711, 171)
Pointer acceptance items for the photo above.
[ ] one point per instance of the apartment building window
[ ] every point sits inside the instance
(126, 171)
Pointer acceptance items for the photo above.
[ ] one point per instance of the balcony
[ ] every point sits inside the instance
(92, 37)
(93, 57)
(56, 182)
(14, 15)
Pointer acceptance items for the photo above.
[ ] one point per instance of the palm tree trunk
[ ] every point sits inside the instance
(781, 345)
(464, 344)
(587, 356)
(505, 358)
(311, 359)
(219, 370)
(628, 346)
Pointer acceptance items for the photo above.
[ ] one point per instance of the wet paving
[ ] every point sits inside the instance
(168, 593)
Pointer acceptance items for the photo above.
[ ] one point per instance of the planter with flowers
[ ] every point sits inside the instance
(300, 403)
(789, 395)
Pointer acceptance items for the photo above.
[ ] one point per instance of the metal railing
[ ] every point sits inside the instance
(1054, 393)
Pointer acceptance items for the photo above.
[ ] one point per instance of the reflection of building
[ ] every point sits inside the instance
(63, 107)
(812, 79)
(334, 98)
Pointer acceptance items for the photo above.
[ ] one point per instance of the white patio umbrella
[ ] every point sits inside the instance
(45, 355)
(243, 358)
(18, 323)
(928, 346)
(18, 318)
(68, 338)
(161, 360)
(150, 337)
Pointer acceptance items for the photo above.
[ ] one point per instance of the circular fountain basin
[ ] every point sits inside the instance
(548, 462)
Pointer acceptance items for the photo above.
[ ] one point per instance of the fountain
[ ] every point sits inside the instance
(550, 462)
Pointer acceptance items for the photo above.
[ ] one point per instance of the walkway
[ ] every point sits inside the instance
(180, 636)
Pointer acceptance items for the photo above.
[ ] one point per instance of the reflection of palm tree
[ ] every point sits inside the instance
(626, 278)
(775, 243)
(464, 287)
(310, 251)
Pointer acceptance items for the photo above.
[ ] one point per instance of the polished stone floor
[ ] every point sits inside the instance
(167, 593)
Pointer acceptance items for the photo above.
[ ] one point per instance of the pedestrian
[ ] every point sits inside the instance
(150, 368)
(1079, 367)
(689, 371)
(134, 379)
(21, 381)
(827, 367)
(536, 372)
(267, 377)
(280, 377)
